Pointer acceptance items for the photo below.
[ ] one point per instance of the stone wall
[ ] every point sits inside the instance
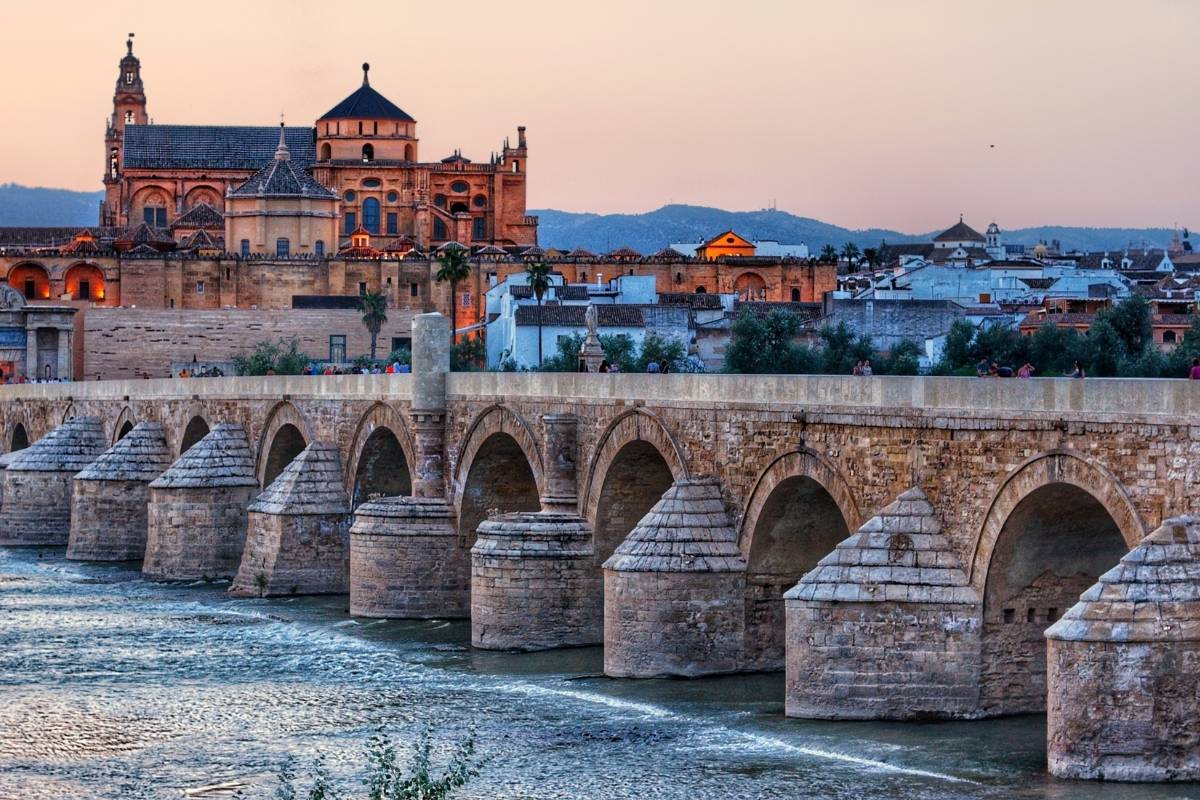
(196, 534)
(108, 520)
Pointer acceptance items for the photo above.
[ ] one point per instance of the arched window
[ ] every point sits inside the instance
(516, 166)
(245, 248)
(326, 151)
(408, 152)
(439, 229)
(479, 228)
(112, 163)
(679, 277)
(701, 290)
(368, 153)
(283, 247)
(319, 248)
(1168, 337)
(370, 212)
(128, 117)
(795, 295)
(458, 208)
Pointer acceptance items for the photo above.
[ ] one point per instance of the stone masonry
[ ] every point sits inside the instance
(198, 509)
(673, 589)
(37, 483)
(886, 626)
(1124, 667)
(298, 530)
(110, 496)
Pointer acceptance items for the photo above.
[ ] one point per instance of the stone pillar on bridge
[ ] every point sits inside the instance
(535, 583)
(298, 531)
(886, 626)
(196, 527)
(406, 558)
(1123, 665)
(110, 496)
(674, 590)
(37, 483)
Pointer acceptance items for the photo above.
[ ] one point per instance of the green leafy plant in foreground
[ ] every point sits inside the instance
(387, 778)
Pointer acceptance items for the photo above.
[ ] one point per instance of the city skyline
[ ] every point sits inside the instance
(864, 115)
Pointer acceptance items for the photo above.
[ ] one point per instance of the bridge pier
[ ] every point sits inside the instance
(298, 531)
(37, 483)
(1123, 666)
(535, 584)
(406, 559)
(674, 589)
(886, 626)
(109, 498)
(196, 528)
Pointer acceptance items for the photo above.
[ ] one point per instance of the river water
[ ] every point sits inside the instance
(115, 687)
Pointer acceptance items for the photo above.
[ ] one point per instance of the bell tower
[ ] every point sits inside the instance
(129, 108)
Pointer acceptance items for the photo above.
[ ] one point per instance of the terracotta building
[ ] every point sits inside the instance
(364, 149)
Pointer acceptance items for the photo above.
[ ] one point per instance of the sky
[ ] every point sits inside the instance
(864, 113)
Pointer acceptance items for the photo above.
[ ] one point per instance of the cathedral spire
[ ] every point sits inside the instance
(129, 45)
(281, 152)
(366, 69)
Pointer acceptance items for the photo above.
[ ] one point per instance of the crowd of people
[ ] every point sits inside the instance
(990, 369)
(394, 368)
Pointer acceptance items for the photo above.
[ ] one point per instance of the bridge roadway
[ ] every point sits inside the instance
(986, 507)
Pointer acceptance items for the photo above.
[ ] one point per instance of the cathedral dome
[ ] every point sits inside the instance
(282, 178)
(366, 103)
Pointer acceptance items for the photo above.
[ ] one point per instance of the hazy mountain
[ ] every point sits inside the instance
(646, 233)
(28, 206)
(654, 230)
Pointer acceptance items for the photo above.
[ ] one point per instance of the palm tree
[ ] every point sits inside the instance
(851, 253)
(538, 273)
(829, 254)
(374, 308)
(453, 267)
(871, 255)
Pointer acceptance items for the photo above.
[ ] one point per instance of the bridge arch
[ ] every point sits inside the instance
(381, 456)
(1054, 525)
(635, 461)
(18, 435)
(285, 434)
(498, 470)
(124, 424)
(799, 510)
(197, 428)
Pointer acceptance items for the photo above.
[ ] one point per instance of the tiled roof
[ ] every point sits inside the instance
(68, 448)
(141, 455)
(960, 232)
(1071, 318)
(310, 484)
(282, 177)
(203, 240)
(580, 253)
(201, 216)
(366, 103)
(810, 310)
(669, 254)
(36, 237)
(623, 252)
(608, 316)
(212, 146)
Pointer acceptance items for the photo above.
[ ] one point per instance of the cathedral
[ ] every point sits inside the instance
(361, 171)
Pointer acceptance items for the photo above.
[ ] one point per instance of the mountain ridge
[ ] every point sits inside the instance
(647, 232)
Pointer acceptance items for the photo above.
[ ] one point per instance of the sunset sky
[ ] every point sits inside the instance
(869, 113)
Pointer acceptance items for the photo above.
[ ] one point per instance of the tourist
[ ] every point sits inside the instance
(1026, 370)
(857, 368)
(866, 368)
(603, 366)
(652, 367)
(983, 367)
(183, 373)
(1194, 373)
(1078, 371)
(993, 370)
(664, 367)
(614, 367)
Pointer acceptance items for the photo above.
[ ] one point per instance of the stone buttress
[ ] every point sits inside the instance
(298, 530)
(198, 509)
(886, 626)
(1123, 667)
(674, 589)
(109, 497)
(535, 583)
(37, 483)
(406, 557)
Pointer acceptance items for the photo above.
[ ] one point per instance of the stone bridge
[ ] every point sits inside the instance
(932, 528)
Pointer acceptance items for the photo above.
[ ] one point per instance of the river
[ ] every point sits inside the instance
(115, 687)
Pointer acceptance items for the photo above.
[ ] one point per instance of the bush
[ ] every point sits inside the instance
(285, 358)
(386, 779)
(468, 355)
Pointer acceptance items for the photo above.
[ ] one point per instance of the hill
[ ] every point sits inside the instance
(654, 230)
(28, 206)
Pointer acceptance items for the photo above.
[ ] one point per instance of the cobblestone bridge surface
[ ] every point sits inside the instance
(925, 531)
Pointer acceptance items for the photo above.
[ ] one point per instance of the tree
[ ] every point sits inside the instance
(453, 268)
(850, 252)
(373, 306)
(871, 256)
(829, 254)
(282, 358)
(538, 273)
